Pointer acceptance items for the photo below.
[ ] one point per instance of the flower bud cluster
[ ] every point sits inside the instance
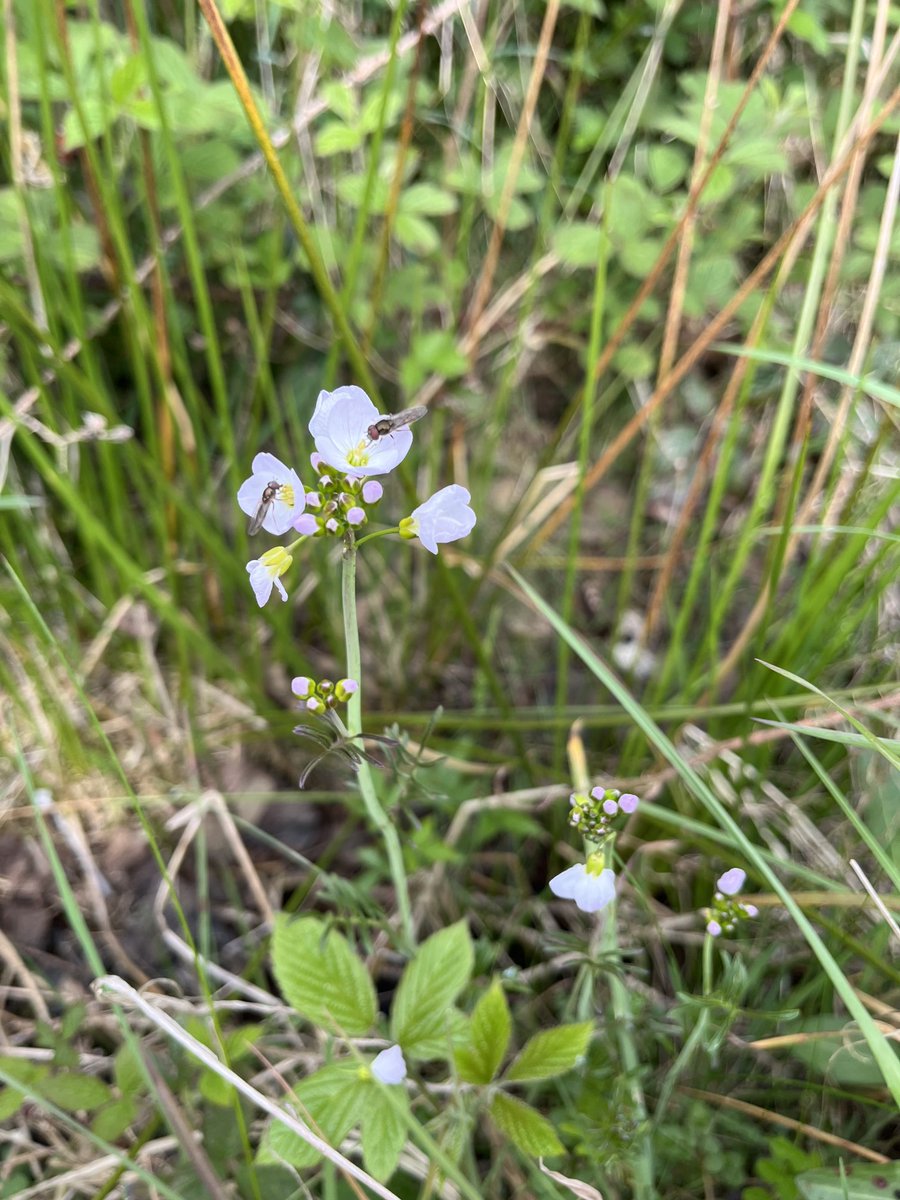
(339, 502)
(594, 815)
(319, 695)
(727, 911)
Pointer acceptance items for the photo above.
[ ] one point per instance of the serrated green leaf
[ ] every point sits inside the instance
(331, 1101)
(321, 976)
(384, 1132)
(524, 1127)
(551, 1052)
(73, 1091)
(416, 234)
(426, 199)
(335, 137)
(427, 989)
(489, 1030)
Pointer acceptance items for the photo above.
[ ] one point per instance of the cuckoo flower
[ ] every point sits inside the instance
(444, 517)
(265, 573)
(591, 885)
(341, 427)
(273, 495)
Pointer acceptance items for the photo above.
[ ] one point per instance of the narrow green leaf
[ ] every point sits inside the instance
(525, 1127)
(321, 976)
(551, 1052)
(489, 1030)
(430, 984)
(384, 1132)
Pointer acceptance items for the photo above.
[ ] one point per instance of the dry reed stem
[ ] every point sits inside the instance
(766, 1114)
(798, 229)
(486, 278)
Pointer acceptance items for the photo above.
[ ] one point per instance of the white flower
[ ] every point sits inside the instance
(444, 517)
(265, 573)
(731, 882)
(340, 426)
(591, 889)
(289, 499)
(389, 1066)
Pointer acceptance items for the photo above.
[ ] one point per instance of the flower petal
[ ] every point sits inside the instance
(389, 1066)
(328, 401)
(444, 517)
(268, 464)
(594, 892)
(567, 882)
(260, 581)
(731, 882)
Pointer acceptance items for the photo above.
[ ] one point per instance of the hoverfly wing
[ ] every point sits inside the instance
(266, 501)
(256, 521)
(408, 416)
(394, 421)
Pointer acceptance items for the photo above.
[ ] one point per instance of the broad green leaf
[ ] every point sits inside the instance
(75, 1091)
(551, 1052)
(321, 976)
(525, 1127)
(331, 1102)
(489, 1030)
(860, 1181)
(577, 243)
(426, 199)
(666, 165)
(112, 1121)
(335, 137)
(384, 1130)
(843, 1059)
(427, 989)
(416, 234)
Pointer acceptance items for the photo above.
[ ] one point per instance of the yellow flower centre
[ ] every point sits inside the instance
(595, 864)
(276, 561)
(286, 494)
(359, 455)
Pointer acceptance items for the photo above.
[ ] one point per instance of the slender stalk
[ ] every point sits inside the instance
(641, 1158)
(376, 813)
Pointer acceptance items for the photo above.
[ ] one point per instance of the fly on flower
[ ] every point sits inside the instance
(394, 421)
(266, 501)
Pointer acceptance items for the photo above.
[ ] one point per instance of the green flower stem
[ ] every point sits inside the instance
(376, 813)
(641, 1159)
(377, 534)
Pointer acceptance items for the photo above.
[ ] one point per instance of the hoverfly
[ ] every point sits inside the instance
(394, 421)
(270, 491)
